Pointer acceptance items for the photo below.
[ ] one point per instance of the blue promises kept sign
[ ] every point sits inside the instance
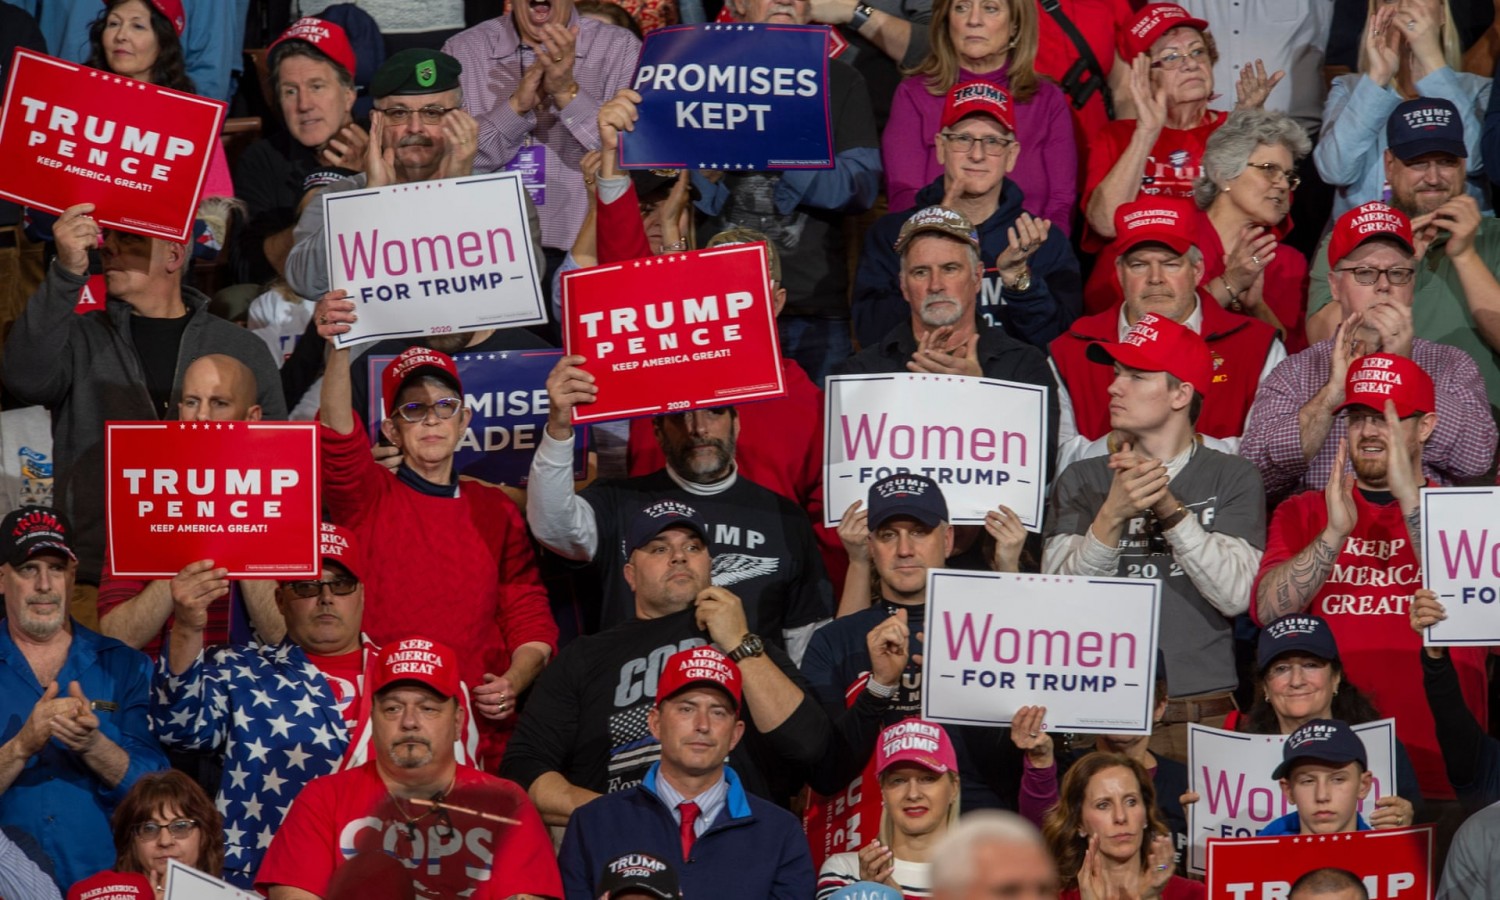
(508, 394)
(732, 97)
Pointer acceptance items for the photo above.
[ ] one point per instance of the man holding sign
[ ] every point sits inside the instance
(1350, 554)
(125, 362)
(1164, 506)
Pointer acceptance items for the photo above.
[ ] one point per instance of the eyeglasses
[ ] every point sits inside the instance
(1358, 420)
(179, 829)
(431, 115)
(342, 586)
(1283, 670)
(445, 408)
(1175, 60)
(1368, 275)
(1273, 173)
(963, 143)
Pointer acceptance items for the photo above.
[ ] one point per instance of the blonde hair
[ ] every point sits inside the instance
(941, 65)
(1453, 53)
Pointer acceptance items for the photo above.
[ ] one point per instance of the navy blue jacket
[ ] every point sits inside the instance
(1036, 316)
(754, 850)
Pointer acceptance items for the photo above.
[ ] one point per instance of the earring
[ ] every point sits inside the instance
(1012, 44)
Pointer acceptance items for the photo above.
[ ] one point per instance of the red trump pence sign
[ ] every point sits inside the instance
(1394, 864)
(675, 332)
(71, 134)
(244, 494)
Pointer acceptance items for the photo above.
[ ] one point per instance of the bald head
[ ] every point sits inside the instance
(993, 854)
(1329, 884)
(218, 388)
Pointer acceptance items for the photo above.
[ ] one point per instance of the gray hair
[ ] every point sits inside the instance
(974, 256)
(953, 858)
(1228, 150)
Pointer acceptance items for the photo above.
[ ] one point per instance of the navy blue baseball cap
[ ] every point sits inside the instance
(1321, 740)
(1425, 125)
(640, 873)
(904, 494)
(660, 516)
(1296, 633)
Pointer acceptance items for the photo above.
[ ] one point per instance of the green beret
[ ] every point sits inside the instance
(416, 71)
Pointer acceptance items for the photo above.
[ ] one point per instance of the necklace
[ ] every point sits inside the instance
(411, 821)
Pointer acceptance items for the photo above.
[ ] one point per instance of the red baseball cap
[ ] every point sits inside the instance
(1158, 344)
(327, 37)
(1152, 22)
(338, 544)
(1172, 221)
(412, 362)
(110, 885)
(172, 9)
(698, 665)
(1379, 377)
(916, 741)
(979, 98)
(421, 660)
(1368, 222)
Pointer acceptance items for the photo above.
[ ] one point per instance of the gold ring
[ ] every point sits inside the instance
(557, 59)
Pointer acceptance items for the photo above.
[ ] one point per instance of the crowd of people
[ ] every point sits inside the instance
(1264, 316)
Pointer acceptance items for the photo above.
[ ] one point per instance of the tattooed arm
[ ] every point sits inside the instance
(1290, 587)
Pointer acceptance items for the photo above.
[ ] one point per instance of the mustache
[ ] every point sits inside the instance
(414, 140)
(412, 739)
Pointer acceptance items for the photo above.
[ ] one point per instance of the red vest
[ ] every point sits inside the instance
(1239, 346)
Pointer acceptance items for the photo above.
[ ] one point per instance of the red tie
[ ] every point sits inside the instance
(689, 811)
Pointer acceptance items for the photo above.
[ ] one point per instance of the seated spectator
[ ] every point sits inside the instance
(996, 854)
(125, 362)
(233, 699)
(1034, 289)
(215, 388)
(426, 517)
(1325, 773)
(141, 40)
(638, 875)
(1299, 677)
(873, 656)
(1160, 270)
(1329, 884)
(1164, 506)
(763, 543)
(1108, 837)
(534, 79)
(413, 792)
(65, 761)
(585, 732)
(1247, 266)
(803, 211)
(1406, 51)
(1292, 435)
(919, 792)
(1351, 553)
(311, 67)
(941, 276)
(691, 807)
(995, 42)
(1455, 297)
(1470, 756)
(167, 816)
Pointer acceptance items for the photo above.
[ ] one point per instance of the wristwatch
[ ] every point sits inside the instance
(1022, 284)
(861, 15)
(750, 645)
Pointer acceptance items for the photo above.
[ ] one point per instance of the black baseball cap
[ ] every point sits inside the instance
(1296, 633)
(1321, 740)
(658, 517)
(640, 872)
(30, 530)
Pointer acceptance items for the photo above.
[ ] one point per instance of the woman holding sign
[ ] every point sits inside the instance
(1108, 836)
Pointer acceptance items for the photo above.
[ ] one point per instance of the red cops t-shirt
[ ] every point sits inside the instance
(450, 853)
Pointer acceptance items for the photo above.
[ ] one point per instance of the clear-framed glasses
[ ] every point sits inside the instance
(446, 408)
(1358, 420)
(963, 143)
(342, 586)
(1368, 275)
(1175, 60)
(431, 115)
(1274, 173)
(178, 828)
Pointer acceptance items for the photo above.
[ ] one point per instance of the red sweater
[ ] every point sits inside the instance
(1239, 346)
(458, 570)
(1366, 602)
